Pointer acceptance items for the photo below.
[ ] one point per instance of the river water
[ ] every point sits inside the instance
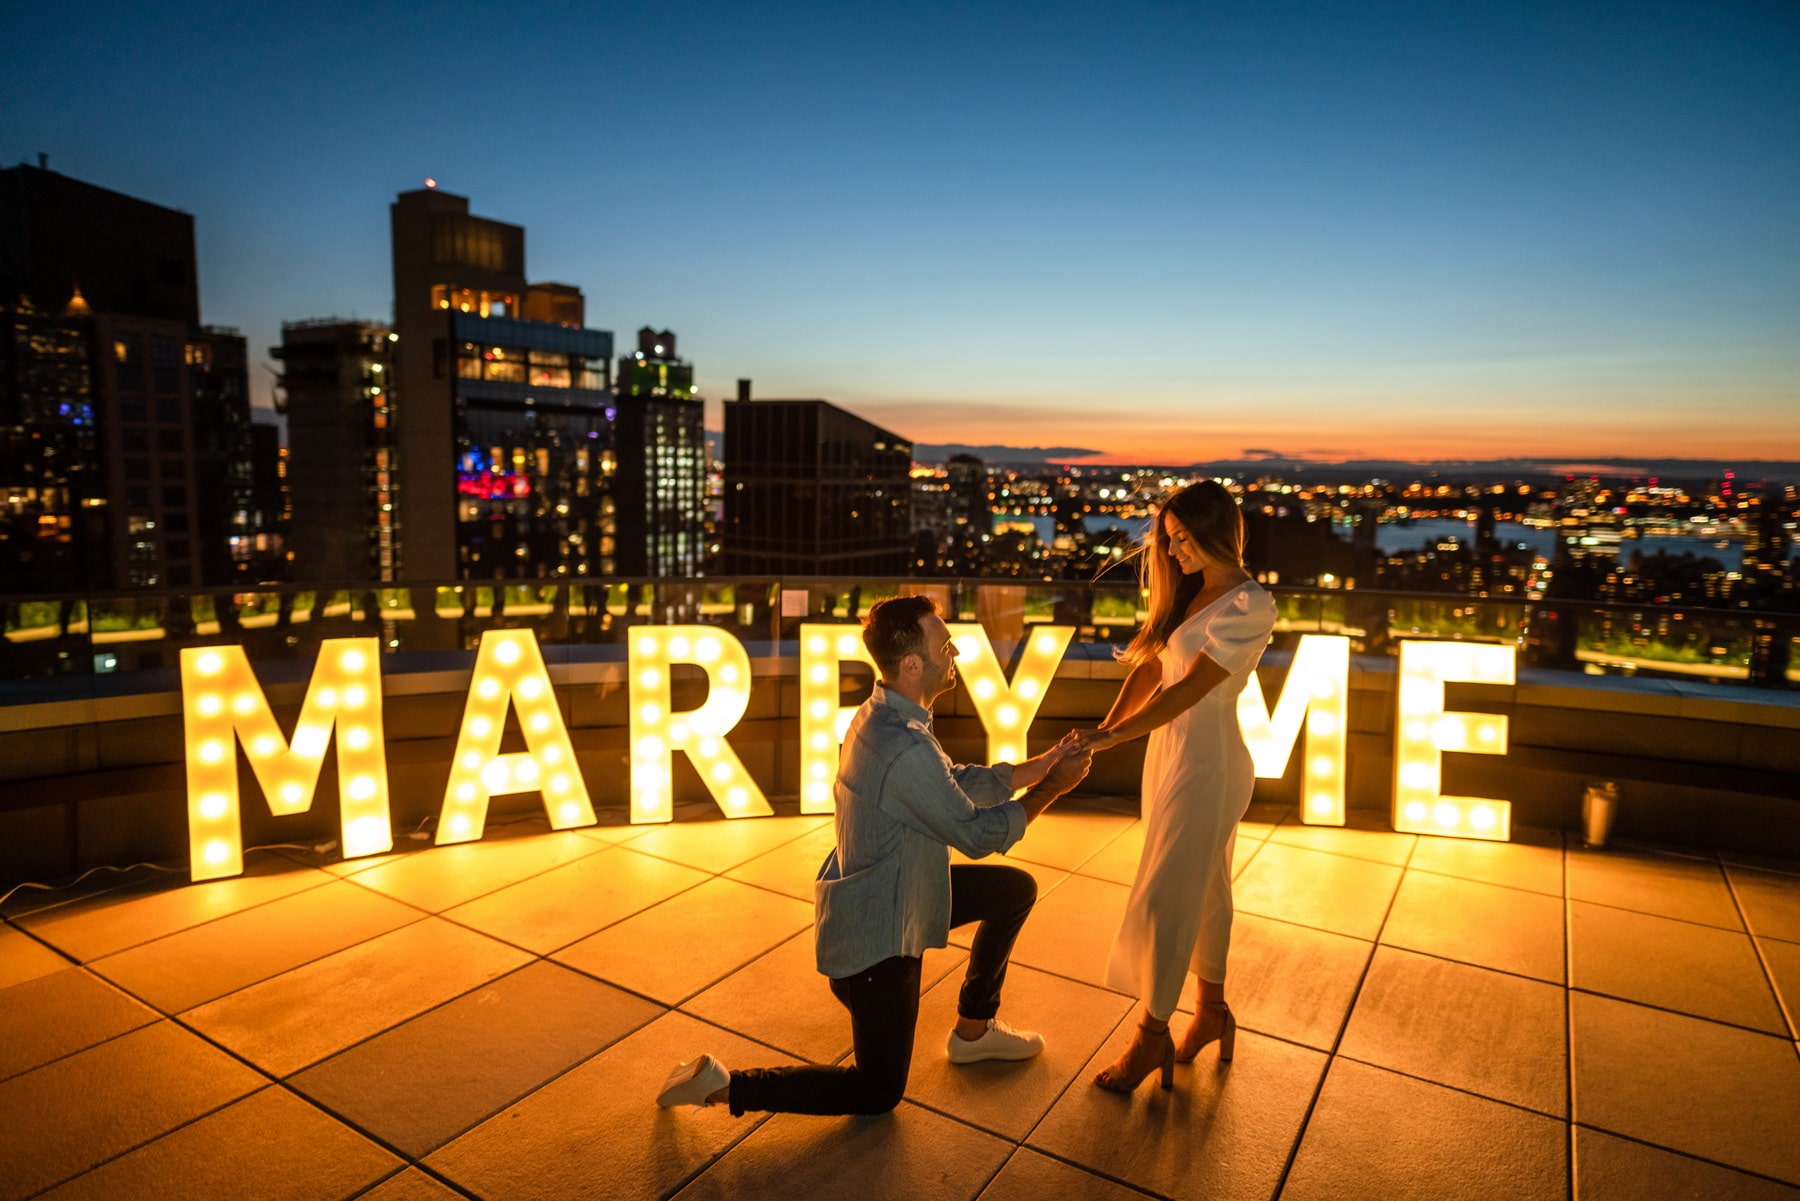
(1430, 531)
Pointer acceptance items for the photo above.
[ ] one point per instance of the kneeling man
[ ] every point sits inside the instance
(888, 890)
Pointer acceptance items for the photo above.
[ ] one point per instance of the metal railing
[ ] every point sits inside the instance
(49, 644)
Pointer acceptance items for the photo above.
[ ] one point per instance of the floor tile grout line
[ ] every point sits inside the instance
(157, 1015)
(413, 1165)
(271, 1079)
(559, 949)
(199, 924)
(385, 1030)
(1088, 858)
(1568, 1000)
(1486, 967)
(1401, 866)
(423, 916)
(1762, 959)
(1717, 1163)
(1680, 1013)
(158, 1137)
(1064, 1092)
(1665, 916)
(1464, 1090)
(761, 1119)
(1341, 854)
(1026, 1145)
(751, 1038)
(1535, 892)
(48, 946)
(599, 848)
(1331, 1056)
(629, 991)
(418, 1161)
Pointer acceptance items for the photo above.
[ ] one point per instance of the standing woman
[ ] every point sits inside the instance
(1208, 625)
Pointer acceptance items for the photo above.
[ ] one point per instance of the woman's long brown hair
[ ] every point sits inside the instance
(1211, 517)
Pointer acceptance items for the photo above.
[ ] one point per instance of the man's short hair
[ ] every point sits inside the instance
(892, 631)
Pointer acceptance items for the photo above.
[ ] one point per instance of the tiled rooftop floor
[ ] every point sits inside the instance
(1422, 1018)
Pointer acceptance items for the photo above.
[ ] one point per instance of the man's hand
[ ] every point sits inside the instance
(1092, 740)
(1032, 772)
(1067, 772)
(1070, 768)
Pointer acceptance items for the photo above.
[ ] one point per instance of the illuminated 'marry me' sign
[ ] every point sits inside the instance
(223, 705)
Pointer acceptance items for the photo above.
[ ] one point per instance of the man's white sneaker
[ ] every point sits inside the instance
(693, 1082)
(998, 1041)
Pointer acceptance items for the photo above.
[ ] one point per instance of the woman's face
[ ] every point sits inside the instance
(1187, 556)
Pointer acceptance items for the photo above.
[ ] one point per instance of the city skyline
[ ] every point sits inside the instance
(1316, 235)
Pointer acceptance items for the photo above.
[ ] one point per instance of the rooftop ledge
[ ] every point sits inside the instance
(98, 779)
(1420, 1016)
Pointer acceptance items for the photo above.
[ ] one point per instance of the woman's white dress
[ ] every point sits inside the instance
(1197, 783)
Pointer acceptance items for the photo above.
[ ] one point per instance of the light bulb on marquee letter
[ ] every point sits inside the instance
(823, 722)
(1317, 689)
(1423, 732)
(509, 670)
(657, 732)
(221, 702)
(1006, 709)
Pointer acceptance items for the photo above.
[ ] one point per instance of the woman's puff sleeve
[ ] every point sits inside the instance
(1238, 633)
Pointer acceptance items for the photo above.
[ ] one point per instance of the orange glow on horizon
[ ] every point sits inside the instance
(1572, 429)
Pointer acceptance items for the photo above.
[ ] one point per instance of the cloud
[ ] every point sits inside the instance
(994, 453)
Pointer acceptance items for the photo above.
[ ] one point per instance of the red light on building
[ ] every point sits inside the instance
(492, 485)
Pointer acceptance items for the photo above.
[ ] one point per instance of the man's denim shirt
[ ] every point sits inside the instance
(901, 804)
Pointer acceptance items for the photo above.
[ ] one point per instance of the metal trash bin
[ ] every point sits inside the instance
(1599, 804)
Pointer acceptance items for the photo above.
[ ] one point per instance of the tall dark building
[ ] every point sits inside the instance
(661, 487)
(970, 510)
(506, 458)
(52, 489)
(1767, 543)
(264, 548)
(343, 469)
(813, 490)
(170, 407)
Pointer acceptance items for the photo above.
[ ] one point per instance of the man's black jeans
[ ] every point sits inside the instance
(883, 1001)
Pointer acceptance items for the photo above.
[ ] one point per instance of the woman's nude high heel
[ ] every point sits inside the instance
(1226, 1037)
(1142, 1057)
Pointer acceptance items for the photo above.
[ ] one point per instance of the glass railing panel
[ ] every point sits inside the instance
(1634, 641)
(49, 636)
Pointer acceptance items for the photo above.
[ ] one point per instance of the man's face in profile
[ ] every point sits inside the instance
(938, 664)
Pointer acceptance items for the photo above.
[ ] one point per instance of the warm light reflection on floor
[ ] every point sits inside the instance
(497, 1015)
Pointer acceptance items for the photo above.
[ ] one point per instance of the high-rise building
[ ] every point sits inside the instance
(170, 397)
(970, 510)
(505, 417)
(263, 548)
(343, 482)
(52, 489)
(1766, 539)
(661, 486)
(811, 489)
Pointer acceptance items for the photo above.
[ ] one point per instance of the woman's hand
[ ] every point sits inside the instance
(1094, 740)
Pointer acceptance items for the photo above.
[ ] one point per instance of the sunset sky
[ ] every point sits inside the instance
(1167, 232)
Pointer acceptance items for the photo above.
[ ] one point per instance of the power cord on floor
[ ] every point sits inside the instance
(104, 867)
(318, 848)
(321, 848)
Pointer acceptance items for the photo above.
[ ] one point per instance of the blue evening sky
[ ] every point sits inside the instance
(1165, 231)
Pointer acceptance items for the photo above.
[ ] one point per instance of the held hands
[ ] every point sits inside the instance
(1090, 741)
(1070, 768)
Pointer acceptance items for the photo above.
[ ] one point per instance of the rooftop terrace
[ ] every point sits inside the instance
(1422, 1017)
